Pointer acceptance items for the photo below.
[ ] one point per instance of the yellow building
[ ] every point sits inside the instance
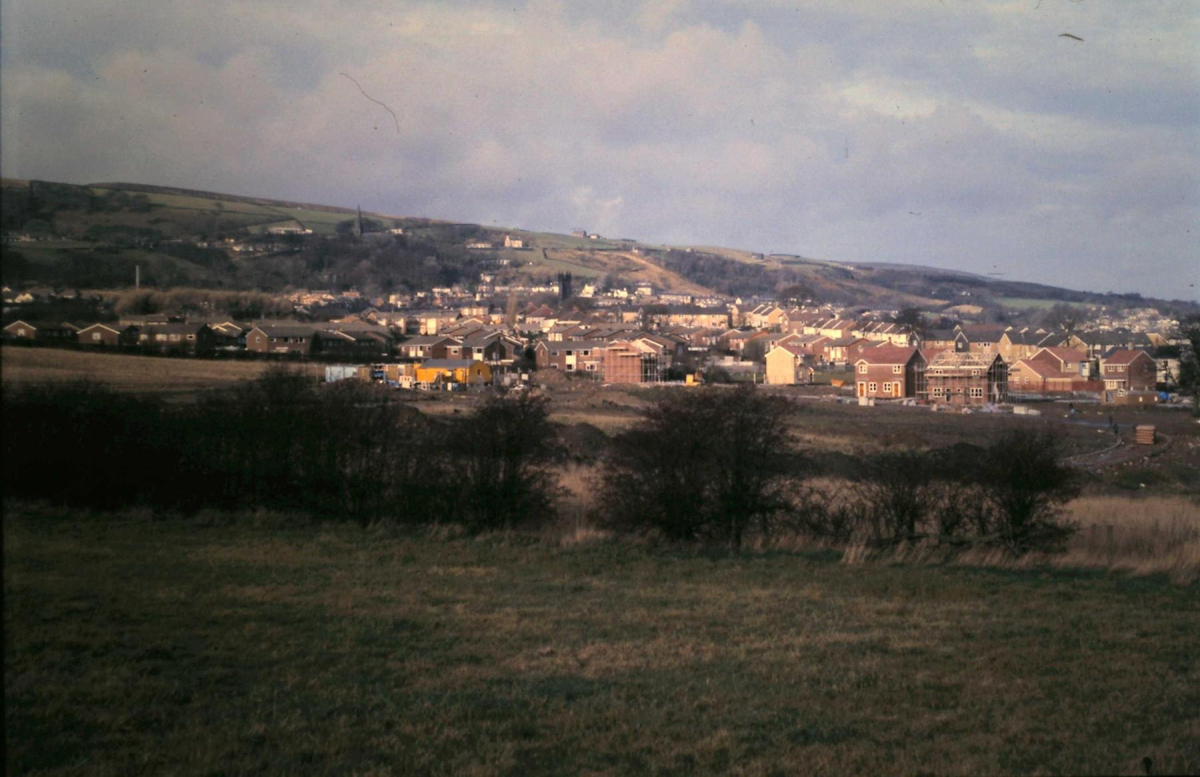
(786, 366)
(468, 371)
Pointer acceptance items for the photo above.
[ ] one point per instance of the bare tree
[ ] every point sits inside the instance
(701, 466)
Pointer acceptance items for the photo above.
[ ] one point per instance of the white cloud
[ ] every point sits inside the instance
(709, 122)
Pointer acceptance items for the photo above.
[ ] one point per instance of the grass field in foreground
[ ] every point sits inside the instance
(142, 645)
(129, 372)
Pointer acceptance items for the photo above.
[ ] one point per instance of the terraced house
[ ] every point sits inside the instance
(281, 339)
(41, 330)
(110, 335)
(186, 338)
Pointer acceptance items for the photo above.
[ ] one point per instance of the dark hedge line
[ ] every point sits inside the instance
(709, 466)
(343, 450)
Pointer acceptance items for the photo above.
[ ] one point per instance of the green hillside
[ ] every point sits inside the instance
(94, 236)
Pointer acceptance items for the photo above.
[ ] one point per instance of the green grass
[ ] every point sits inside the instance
(550, 263)
(141, 645)
(1021, 303)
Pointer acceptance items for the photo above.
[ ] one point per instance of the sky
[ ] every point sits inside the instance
(967, 135)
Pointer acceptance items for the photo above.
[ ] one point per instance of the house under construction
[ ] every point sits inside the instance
(967, 378)
(632, 362)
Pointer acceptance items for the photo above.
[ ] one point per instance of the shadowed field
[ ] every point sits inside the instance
(126, 372)
(135, 644)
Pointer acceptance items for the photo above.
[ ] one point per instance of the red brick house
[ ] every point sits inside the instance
(228, 335)
(40, 330)
(186, 338)
(573, 356)
(348, 344)
(945, 340)
(425, 347)
(1128, 370)
(110, 335)
(1065, 359)
(281, 338)
(493, 347)
(890, 371)
(1043, 376)
(632, 362)
(844, 350)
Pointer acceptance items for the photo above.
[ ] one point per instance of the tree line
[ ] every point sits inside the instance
(710, 466)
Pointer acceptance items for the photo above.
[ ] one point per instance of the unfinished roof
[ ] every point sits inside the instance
(965, 360)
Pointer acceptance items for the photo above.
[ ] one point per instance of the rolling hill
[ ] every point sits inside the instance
(94, 235)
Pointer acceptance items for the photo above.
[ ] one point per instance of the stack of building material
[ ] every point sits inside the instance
(1143, 435)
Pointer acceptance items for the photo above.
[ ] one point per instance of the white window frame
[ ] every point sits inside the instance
(897, 369)
(872, 388)
(862, 369)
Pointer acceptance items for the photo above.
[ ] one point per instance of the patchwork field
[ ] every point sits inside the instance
(137, 643)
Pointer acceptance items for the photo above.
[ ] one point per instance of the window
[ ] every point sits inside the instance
(887, 388)
(95, 335)
(872, 387)
(937, 391)
(977, 392)
(974, 373)
(897, 369)
(591, 367)
(862, 369)
(191, 337)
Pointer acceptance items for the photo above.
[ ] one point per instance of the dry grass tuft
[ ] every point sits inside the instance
(1146, 536)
